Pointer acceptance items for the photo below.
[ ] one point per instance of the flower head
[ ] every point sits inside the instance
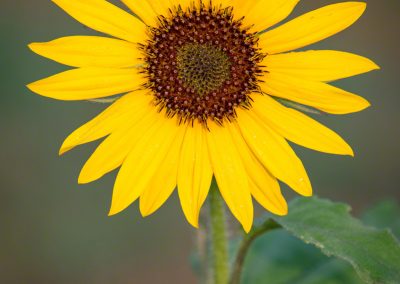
(200, 83)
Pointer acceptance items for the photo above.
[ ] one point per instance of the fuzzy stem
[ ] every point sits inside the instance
(219, 242)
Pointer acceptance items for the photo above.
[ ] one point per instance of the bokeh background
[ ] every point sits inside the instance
(56, 231)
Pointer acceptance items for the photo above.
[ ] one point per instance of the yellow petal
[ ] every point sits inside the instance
(219, 3)
(88, 83)
(274, 152)
(263, 186)
(143, 162)
(107, 121)
(316, 94)
(164, 181)
(319, 65)
(105, 17)
(161, 7)
(143, 9)
(89, 51)
(242, 8)
(263, 14)
(311, 27)
(194, 173)
(186, 3)
(230, 174)
(111, 153)
(299, 128)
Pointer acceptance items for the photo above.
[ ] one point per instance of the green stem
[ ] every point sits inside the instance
(244, 247)
(219, 243)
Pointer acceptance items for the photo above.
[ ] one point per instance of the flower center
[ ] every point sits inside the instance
(202, 64)
(203, 68)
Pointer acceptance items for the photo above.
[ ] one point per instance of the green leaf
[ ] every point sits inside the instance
(385, 214)
(374, 254)
(280, 258)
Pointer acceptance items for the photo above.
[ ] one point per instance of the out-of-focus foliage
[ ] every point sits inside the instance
(324, 228)
(384, 215)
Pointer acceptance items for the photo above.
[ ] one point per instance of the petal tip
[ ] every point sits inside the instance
(85, 177)
(37, 47)
(144, 212)
(73, 140)
(361, 6)
(247, 227)
(375, 66)
(305, 188)
(247, 223)
(114, 209)
(82, 180)
(112, 212)
(308, 193)
(195, 225)
(350, 152)
(358, 104)
(371, 65)
(194, 222)
(65, 147)
(283, 210)
(32, 46)
(283, 213)
(366, 104)
(145, 209)
(63, 150)
(31, 86)
(35, 87)
(345, 149)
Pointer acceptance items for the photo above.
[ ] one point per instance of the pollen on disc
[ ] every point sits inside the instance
(201, 64)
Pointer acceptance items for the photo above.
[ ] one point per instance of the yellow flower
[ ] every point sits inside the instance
(200, 83)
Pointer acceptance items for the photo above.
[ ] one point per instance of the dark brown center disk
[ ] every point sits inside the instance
(201, 64)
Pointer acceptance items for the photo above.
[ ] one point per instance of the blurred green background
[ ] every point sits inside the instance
(56, 231)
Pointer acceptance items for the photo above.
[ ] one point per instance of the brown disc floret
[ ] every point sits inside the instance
(202, 64)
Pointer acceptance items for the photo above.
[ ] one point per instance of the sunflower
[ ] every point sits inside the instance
(198, 91)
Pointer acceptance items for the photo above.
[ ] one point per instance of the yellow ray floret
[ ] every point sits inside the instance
(194, 173)
(105, 17)
(319, 65)
(230, 174)
(88, 83)
(90, 51)
(319, 95)
(311, 27)
(164, 180)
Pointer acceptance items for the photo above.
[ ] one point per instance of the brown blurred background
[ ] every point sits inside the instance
(56, 231)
